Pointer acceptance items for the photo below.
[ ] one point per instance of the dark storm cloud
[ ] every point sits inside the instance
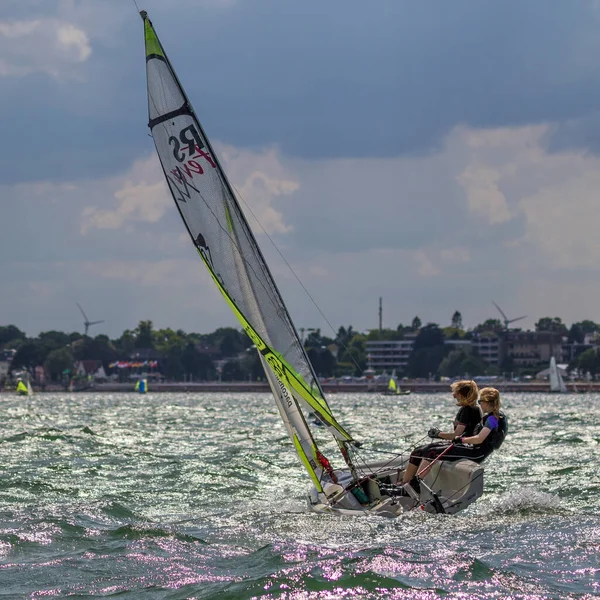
(335, 79)
(349, 79)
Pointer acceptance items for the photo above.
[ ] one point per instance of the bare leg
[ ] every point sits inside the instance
(423, 466)
(409, 473)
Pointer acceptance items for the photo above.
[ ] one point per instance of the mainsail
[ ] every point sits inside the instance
(226, 244)
(22, 388)
(392, 386)
(557, 383)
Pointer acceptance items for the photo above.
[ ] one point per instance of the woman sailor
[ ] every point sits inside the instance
(492, 430)
(475, 445)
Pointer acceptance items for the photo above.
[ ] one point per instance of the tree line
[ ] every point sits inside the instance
(227, 353)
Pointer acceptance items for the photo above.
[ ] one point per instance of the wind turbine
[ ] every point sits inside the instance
(87, 323)
(506, 320)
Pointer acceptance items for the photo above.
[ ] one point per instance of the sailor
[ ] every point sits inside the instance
(487, 436)
(469, 414)
(466, 421)
(490, 434)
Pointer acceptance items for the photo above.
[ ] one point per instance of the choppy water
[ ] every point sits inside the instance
(201, 496)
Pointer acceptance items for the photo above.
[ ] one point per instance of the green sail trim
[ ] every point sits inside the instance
(228, 217)
(306, 463)
(278, 364)
(153, 46)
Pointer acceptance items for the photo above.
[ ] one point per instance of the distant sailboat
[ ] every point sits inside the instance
(393, 389)
(22, 388)
(141, 386)
(556, 381)
(392, 386)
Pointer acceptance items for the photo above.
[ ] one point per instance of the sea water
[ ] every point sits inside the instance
(177, 496)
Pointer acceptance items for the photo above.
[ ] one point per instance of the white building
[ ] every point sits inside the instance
(389, 354)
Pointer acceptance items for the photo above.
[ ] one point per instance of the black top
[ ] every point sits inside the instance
(470, 417)
(498, 429)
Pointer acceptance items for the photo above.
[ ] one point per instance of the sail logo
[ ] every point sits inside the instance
(188, 149)
(272, 360)
(284, 393)
(189, 145)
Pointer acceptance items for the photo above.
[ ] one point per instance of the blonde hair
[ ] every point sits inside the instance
(467, 392)
(492, 397)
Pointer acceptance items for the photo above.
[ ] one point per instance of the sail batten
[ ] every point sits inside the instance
(227, 246)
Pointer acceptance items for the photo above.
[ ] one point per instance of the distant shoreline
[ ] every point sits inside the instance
(329, 388)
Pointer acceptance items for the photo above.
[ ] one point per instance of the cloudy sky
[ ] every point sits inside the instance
(438, 154)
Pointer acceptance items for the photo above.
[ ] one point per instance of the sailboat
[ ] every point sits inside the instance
(141, 386)
(393, 389)
(227, 247)
(23, 389)
(557, 383)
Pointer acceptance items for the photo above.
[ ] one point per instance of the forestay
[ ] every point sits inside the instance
(229, 250)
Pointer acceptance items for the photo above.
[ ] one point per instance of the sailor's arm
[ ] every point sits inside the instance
(458, 431)
(476, 439)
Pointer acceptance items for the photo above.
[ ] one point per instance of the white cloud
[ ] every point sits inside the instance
(142, 194)
(72, 38)
(173, 274)
(260, 178)
(484, 197)
(455, 255)
(553, 197)
(49, 45)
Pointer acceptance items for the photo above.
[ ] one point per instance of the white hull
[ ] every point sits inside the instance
(456, 484)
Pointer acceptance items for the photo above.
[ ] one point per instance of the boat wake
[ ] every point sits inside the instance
(527, 500)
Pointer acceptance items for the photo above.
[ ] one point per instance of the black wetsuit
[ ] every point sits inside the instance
(477, 453)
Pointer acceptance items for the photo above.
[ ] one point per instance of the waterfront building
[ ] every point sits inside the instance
(487, 345)
(572, 350)
(531, 348)
(387, 355)
(458, 344)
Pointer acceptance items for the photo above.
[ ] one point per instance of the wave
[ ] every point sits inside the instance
(527, 500)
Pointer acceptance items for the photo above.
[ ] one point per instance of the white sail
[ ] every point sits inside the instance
(226, 244)
(557, 383)
(29, 388)
(562, 387)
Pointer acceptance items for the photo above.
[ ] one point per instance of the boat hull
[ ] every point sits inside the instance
(453, 485)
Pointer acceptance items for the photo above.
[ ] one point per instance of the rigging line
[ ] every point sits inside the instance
(295, 275)
(234, 243)
(389, 462)
(273, 296)
(136, 6)
(280, 310)
(269, 292)
(385, 466)
(342, 344)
